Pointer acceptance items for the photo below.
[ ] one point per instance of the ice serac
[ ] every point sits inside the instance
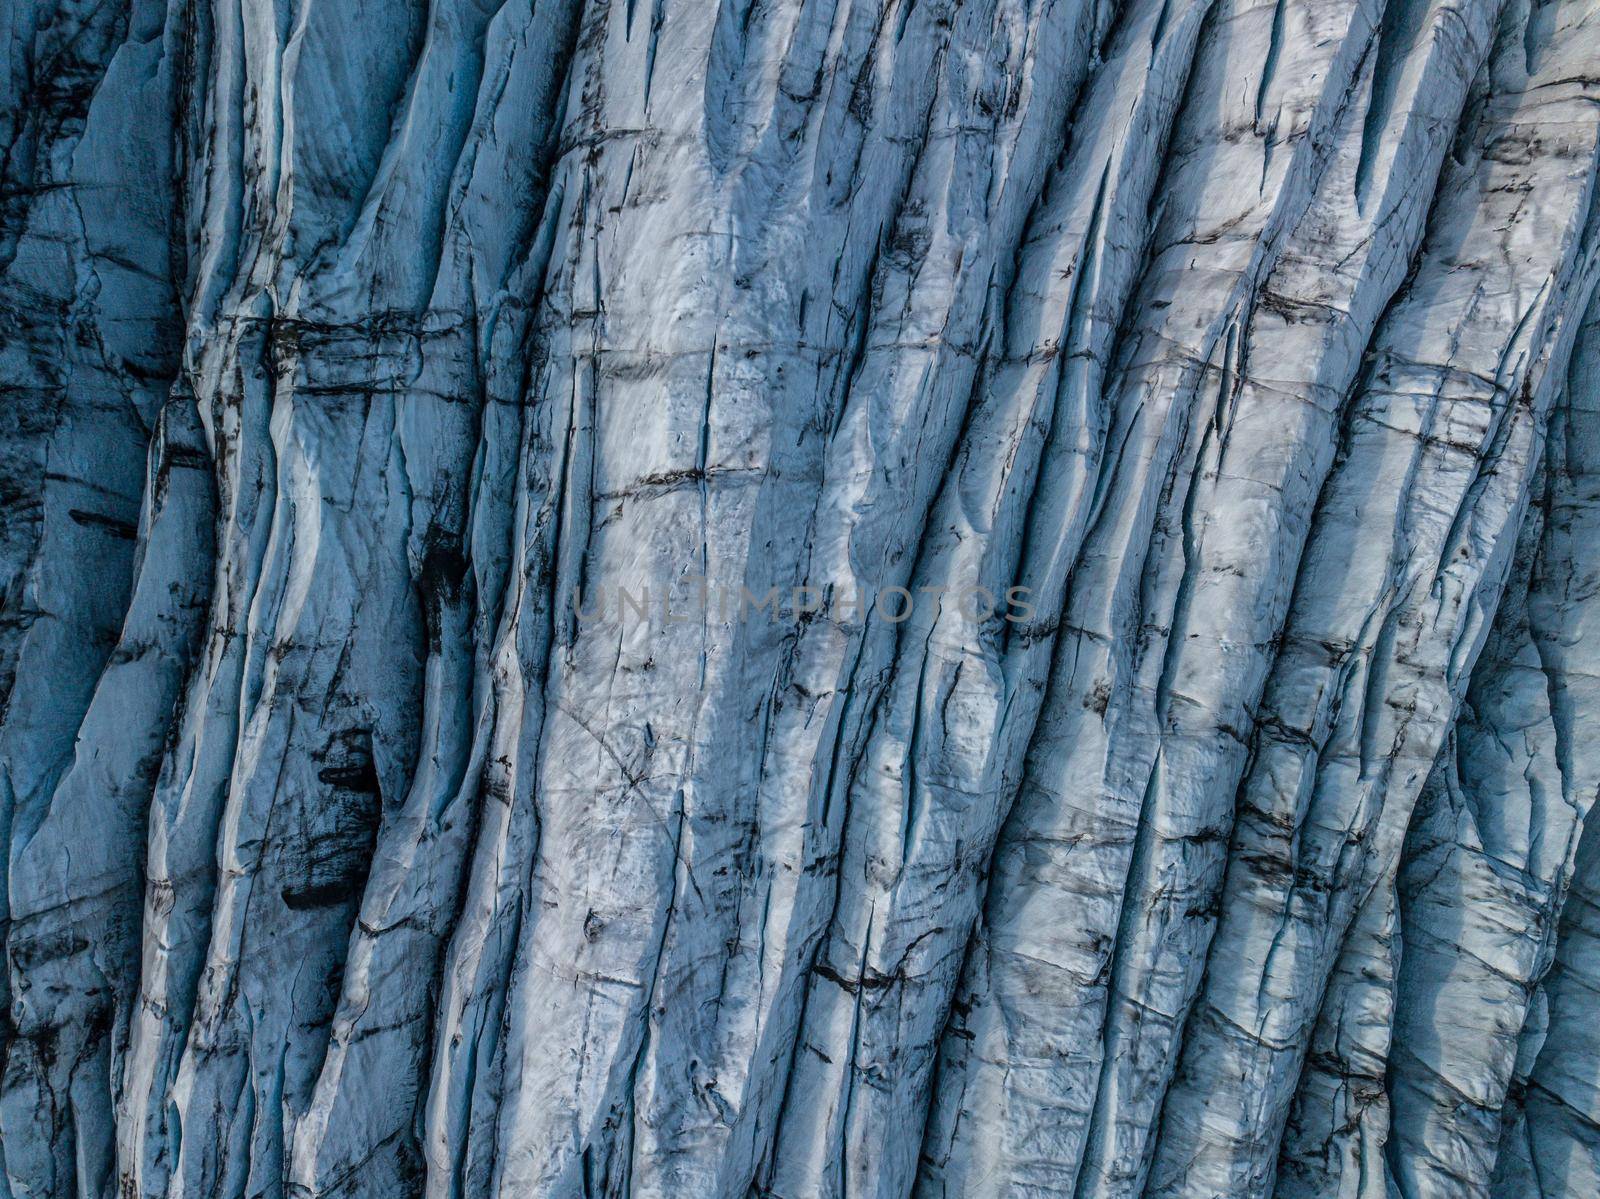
(787, 598)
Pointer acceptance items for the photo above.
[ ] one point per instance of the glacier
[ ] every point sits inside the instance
(352, 351)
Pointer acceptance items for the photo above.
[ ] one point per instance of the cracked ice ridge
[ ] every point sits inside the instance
(346, 349)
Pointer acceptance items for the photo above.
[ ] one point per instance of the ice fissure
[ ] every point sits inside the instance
(787, 598)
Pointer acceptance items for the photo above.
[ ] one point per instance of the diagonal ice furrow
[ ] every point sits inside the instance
(1262, 466)
(828, 101)
(1213, 231)
(316, 401)
(459, 458)
(671, 735)
(1359, 982)
(1377, 654)
(89, 330)
(626, 377)
(924, 781)
(1043, 405)
(72, 994)
(1548, 1143)
(660, 712)
(1542, 1140)
(1491, 854)
(1058, 1135)
(460, 730)
(1260, 460)
(940, 257)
